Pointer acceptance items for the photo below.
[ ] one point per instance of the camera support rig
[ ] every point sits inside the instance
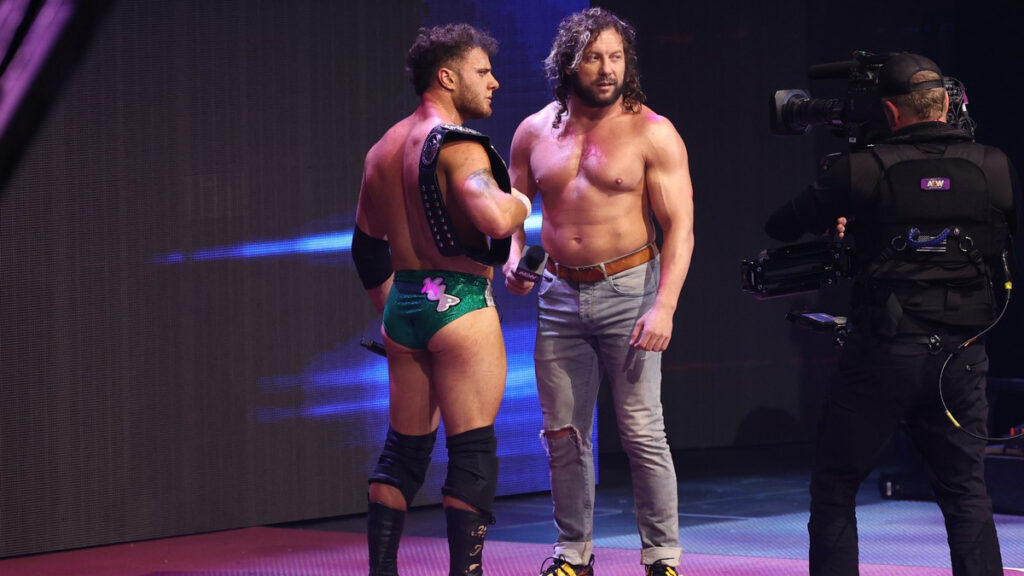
(800, 268)
(796, 268)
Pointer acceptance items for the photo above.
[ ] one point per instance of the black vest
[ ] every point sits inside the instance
(433, 202)
(926, 246)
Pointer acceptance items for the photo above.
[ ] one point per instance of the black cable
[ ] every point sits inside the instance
(1008, 286)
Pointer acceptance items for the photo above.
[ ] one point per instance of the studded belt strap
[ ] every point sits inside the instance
(434, 207)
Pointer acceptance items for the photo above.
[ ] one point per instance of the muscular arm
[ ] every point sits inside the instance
(671, 196)
(519, 172)
(368, 219)
(469, 180)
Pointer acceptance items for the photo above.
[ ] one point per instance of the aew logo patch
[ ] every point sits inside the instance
(935, 183)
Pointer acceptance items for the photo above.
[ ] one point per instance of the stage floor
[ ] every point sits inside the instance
(733, 520)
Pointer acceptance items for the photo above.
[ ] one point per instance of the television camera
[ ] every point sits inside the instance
(858, 115)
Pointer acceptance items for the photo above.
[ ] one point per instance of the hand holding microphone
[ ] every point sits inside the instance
(529, 270)
(531, 264)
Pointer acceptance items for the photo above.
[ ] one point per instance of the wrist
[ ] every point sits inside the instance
(664, 306)
(524, 199)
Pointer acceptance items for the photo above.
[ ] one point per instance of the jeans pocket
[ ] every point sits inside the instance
(545, 282)
(636, 282)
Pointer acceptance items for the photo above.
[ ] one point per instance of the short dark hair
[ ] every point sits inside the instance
(440, 46)
(575, 33)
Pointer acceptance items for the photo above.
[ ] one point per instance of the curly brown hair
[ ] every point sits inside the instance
(575, 33)
(441, 46)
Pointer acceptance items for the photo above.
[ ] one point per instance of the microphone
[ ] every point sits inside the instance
(373, 346)
(837, 70)
(531, 264)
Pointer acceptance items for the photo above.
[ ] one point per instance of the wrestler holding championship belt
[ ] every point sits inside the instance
(438, 196)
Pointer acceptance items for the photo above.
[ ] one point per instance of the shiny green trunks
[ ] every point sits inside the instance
(421, 302)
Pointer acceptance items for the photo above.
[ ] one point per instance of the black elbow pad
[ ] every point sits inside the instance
(372, 257)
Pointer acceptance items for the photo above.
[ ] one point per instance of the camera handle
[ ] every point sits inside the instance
(822, 322)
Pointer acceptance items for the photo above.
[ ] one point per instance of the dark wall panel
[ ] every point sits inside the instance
(736, 372)
(180, 320)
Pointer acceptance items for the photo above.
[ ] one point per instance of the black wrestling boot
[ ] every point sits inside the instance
(466, 533)
(383, 531)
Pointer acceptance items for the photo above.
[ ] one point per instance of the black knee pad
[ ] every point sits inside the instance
(473, 468)
(403, 462)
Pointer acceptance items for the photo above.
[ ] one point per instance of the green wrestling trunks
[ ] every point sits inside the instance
(421, 302)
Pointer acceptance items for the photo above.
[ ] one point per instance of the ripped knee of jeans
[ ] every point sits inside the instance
(548, 436)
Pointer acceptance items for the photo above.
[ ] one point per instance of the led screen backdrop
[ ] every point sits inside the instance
(180, 328)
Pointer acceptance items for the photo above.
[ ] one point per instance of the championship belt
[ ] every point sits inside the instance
(433, 203)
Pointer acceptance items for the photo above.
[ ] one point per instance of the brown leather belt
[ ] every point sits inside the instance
(598, 272)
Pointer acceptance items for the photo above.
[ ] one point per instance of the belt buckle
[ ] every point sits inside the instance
(571, 272)
(593, 273)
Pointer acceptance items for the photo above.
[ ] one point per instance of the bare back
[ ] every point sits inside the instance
(390, 200)
(594, 180)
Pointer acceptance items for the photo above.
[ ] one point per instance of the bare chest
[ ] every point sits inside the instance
(582, 164)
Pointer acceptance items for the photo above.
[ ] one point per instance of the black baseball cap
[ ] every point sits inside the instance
(894, 77)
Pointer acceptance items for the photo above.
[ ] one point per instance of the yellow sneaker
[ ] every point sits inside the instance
(659, 569)
(559, 567)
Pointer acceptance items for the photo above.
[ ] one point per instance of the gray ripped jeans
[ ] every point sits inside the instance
(583, 329)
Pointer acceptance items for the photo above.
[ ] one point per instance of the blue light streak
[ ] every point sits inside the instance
(326, 243)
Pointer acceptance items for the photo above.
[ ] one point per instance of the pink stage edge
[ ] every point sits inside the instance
(291, 552)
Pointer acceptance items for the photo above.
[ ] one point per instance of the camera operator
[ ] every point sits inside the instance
(929, 211)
